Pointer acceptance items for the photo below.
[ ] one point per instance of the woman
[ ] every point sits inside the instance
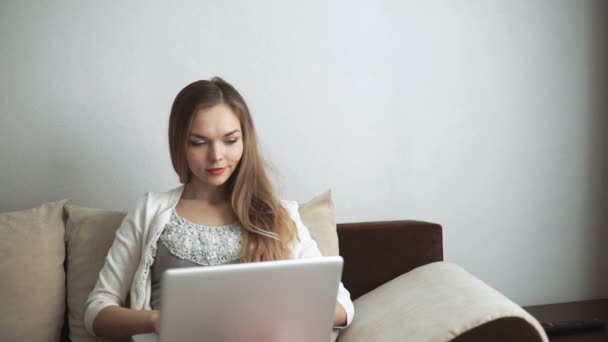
(226, 211)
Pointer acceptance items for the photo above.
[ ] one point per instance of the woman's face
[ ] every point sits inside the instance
(215, 145)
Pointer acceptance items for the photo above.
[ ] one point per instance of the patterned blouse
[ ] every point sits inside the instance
(186, 244)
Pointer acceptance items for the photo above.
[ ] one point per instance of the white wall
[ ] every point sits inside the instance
(478, 115)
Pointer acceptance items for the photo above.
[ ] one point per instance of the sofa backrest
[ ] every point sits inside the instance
(376, 252)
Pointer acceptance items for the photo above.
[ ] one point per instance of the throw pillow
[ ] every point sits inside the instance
(32, 253)
(89, 234)
(318, 216)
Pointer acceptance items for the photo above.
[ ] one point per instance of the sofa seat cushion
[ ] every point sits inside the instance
(437, 302)
(32, 284)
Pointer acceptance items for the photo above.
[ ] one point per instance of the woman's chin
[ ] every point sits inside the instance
(216, 181)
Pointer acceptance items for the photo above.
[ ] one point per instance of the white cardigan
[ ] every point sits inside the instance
(127, 266)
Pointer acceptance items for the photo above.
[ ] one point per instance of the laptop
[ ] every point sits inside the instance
(273, 301)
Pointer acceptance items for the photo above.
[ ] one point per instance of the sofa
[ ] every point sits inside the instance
(401, 287)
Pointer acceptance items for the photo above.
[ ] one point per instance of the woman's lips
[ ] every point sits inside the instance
(216, 172)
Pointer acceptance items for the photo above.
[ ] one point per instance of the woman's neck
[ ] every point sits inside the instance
(210, 195)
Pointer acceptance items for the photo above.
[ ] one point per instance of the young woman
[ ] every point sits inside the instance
(226, 211)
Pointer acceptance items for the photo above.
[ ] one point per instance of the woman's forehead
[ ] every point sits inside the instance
(216, 121)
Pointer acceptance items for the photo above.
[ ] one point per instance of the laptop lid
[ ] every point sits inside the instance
(287, 300)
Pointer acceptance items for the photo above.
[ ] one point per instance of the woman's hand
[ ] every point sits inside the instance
(340, 317)
(155, 320)
(115, 321)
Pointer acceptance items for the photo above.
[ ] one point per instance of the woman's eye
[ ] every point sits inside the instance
(200, 142)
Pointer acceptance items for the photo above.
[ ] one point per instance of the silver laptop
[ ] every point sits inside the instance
(276, 301)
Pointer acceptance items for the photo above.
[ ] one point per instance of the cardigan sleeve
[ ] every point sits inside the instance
(307, 248)
(116, 276)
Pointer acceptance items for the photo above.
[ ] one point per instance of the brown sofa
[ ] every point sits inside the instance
(400, 285)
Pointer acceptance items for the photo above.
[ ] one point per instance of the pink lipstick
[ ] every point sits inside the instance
(216, 172)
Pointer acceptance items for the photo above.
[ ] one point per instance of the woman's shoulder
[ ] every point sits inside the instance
(293, 209)
(159, 200)
(290, 205)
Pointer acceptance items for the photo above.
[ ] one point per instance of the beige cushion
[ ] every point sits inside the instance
(318, 216)
(434, 302)
(89, 234)
(32, 280)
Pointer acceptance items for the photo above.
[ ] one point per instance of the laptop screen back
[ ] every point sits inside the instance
(290, 300)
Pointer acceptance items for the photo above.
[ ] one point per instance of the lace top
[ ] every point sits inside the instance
(186, 244)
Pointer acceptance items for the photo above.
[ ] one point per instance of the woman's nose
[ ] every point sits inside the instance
(216, 152)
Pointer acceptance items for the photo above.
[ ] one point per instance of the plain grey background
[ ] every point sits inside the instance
(488, 117)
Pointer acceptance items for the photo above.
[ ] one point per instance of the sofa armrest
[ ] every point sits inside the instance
(440, 302)
(376, 252)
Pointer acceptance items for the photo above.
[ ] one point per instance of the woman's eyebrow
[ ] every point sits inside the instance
(204, 137)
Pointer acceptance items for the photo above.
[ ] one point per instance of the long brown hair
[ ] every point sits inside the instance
(267, 228)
